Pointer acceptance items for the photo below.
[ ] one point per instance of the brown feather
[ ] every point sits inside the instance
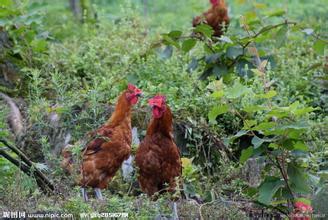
(109, 147)
(158, 157)
(216, 17)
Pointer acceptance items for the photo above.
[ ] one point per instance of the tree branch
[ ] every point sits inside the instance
(27, 170)
(29, 164)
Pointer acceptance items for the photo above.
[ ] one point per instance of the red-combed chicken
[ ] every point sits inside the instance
(110, 145)
(158, 157)
(217, 17)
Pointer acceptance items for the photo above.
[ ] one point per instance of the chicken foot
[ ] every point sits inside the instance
(98, 194)
(84, 194)
(175, 211)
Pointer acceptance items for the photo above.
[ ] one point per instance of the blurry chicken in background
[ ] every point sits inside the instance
(107, 147)
(158, 157)
(216, 17)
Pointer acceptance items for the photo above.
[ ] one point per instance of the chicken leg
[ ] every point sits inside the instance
(175, 211)
(84, 194)
(98, 194)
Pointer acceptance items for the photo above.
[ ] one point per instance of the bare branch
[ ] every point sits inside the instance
(29, 164)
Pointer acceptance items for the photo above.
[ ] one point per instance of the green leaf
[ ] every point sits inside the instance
(175, 34)
(234, 51)
(303, 111)
(292, 107)
(281, 36)
(6, 3)
(288, 144)
(217, 94)
(212, 58)
(240, 133)
(237, 90)
(259, 5)
(170, 41)
(299, 125)
(257, 142)
(205, 29)
(188, 44)
(298, 178)
(268, 189)
(192, 65)
(132, 78)
(300, 146)
(257, 72)
(303, 200)
(243, 67)
(250, 191)
(240, 2)
(219, 70)
(7, 13)
(250, 15)
(215, 85)
(319, 47)
(276, 13)
(279, 113)
(295, 134)
(279, 202)
(267, 95)
(39, 45)
(217, 110)
(254, 108)
(166, 53)
(207, 72)
(249, 123)
(245, 154)
(273, 146)
(264, 126)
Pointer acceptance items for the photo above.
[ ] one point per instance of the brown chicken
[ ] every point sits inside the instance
(67, 163)
(110, 145)
(216, 17)
(158, 157)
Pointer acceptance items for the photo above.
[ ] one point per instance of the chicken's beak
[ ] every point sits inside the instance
(140, 95)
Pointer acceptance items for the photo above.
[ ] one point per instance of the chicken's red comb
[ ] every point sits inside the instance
(158, 100)
(133, 88)
(214, 2)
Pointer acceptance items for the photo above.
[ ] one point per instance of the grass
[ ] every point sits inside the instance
(85, 68)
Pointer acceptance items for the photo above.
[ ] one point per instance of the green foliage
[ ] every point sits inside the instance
(77, 206)
(245, 89)
(22, 37)
(7, 170)
(76, 70)
(277, 133)
(320, 201)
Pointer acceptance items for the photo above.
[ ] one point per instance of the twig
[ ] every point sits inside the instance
(266, 29)
(204, 204)
(284, 175)
(28, 163)
(318, 37)
(27, 170)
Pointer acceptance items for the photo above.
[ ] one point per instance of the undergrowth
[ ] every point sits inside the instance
(78, 70)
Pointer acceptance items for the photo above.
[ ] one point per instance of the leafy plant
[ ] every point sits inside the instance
(22, 38)
(276, 132)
